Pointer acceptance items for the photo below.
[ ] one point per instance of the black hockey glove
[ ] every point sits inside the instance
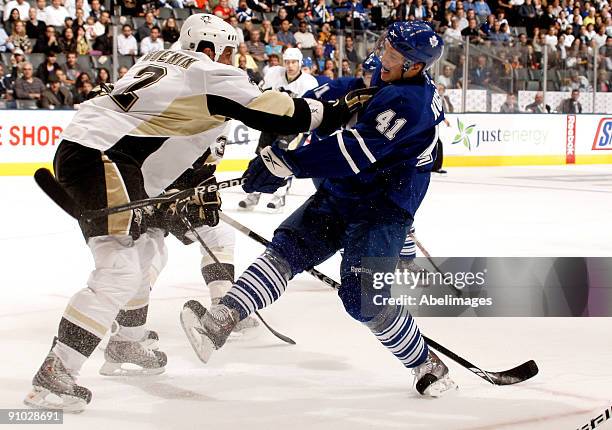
(201, 209)
(267, 172)
(338, 112)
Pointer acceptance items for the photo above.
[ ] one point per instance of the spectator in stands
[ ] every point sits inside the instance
(304, 38)
(243, 51)
(83, 77)
(267, 31)
(299, 16)
(22, 7)
(71, 68)
(243, 12)
(19, 38)
(170, 32)
(603, 82)
(145, 29)
(579, 82)
(273, 60)
(223, 11)
(446, 103)
(472, 31)
(28, 87)
(55, 14)
(126, 42)
(527, 16)
(34, 27)
(274, 47)
(278, 19)
(83, 92)
(10, 22)
(571, 105)
(74, 5)
(5, 84)
(285, 36)
(600, 38)
(47, 68)
(510, 105)
(239, 31)
(446, 77)
(242, 64)
(329, 65)
(18, 61)
(320, 13)
(103, 76)
(247, 27)
(83, 47)
(152, 43)
(56, 96)
(121, 72)
(48, 42)
(346, 68)
(481, 74)
(256, 47)
(349, 50)
(96, 9)
(482, 9)
(40, 10)
(103, 45)
(68, 42)
(102, 25)
(80, 20)
(325, 33)
(452, 35)
(63, 80)
(538, 105)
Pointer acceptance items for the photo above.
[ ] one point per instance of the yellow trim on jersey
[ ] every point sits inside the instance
(273, 102)
(185, 116)
(116, 194)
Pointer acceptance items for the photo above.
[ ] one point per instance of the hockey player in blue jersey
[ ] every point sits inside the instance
(376, 173)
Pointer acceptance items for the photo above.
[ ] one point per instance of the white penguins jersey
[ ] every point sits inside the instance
(169, 108)
(276, 79)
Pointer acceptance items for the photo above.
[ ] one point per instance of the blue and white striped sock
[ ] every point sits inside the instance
(397, 331)
(408, 251)
(259, 286)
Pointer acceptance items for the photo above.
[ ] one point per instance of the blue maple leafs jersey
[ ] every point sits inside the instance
(387, 154)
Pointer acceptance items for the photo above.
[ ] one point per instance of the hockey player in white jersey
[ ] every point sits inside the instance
(290, 79)
(132, 144)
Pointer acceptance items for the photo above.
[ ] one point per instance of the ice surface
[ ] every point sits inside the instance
(337, 376)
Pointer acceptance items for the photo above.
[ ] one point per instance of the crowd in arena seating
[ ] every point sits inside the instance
(52, 52)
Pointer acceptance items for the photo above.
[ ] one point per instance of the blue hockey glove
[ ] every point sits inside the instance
(267, 172)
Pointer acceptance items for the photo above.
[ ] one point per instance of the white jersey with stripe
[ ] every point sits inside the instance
(276, 79)
(165, 95)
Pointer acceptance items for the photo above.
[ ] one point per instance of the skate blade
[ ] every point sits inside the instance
(41, 398)
(275, 210)
(247, 209)
(117, 369)
(201, 344)
(441, 387)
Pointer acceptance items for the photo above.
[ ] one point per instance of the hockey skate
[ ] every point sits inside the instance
(207, 330)
(243, 325)
(431, 377)
(249, 203)
(131, 358)
(55, 388)
(276, 204)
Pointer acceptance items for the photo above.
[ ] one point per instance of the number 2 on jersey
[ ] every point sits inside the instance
(384, 120)
(149, 76)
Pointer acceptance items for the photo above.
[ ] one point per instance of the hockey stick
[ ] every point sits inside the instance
(47, 182)
(218, 263)
(515, 375)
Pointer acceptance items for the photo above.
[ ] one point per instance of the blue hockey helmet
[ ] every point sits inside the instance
(416, 41)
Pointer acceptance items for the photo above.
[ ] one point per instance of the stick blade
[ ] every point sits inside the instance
(520, 373)
(47, 182)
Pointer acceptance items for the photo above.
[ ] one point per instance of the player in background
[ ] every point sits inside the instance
(132, 144)
(376, 175)
(290, 79)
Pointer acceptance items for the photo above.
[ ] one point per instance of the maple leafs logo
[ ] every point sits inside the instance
(433, 40)
(464, 135)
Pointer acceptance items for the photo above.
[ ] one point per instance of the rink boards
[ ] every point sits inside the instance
(28, 140)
